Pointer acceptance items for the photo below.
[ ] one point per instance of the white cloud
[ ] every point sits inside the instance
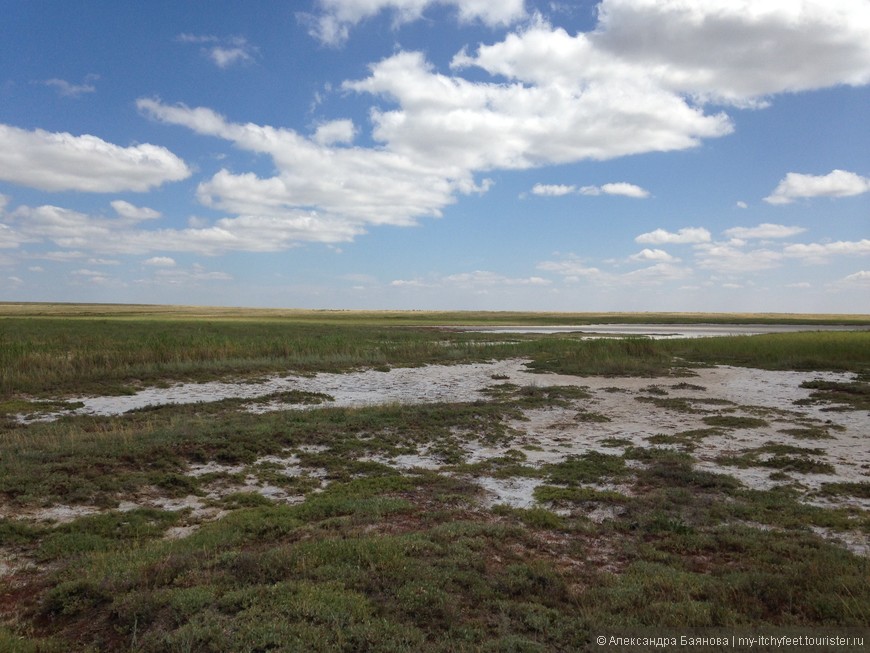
(448, 120)
(654, 274)
(83, 232)
(622, 188)
(351, 186)
(764, 231)
(225, 57)
(821, 252)
(223, 51)
(170, 275)
(337, 17)
(637, 83)
(68, 89)
(742, 205)
(60, 161)
(724, 49)
(553, 190)
(484, 278)
(335, 131)
(860, 278)
(94, 277)
(161, 261)
(412, 283)
(571, 268)
(619, 188)
(185, 37)
(11, 238)
(477, 280)
(134, 213)
(732, 259)
(716, 49)
(647, 254)
(687, 235)
(838, 183)
(664, 269)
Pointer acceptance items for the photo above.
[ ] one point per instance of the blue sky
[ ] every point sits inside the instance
(631, 155)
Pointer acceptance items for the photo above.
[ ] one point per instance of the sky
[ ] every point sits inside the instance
(621, 155)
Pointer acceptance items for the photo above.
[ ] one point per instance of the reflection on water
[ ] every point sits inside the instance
(660, 331)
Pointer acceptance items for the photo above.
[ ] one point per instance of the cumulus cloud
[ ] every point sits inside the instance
(223, 51)
(722, 49)
(620, 188)
(654, 274)
(60, 161)
(821, 252)
(764, 231)
(11, 238)
(734, 259)
(642, 81)
(647, 254)
(95, 233)
(553, 190)
(160, 261)
(837, 183)
(738, 257)
(351, 186)
(335, 131)
(717, 49)
(687, 235)
(443, 119)
(573, 270)
(134, 213)
(225, 57)
(860, 278)
(336, 18)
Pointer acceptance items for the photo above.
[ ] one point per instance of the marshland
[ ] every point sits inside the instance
(194, 479)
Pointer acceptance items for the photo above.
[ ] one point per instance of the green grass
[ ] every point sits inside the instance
(352, 570)
(735, 421)
(110, 350)
(783, 457)
(854, 395)
(51, 356)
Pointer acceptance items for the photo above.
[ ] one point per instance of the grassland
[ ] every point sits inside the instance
(370, 555)
(62, 350)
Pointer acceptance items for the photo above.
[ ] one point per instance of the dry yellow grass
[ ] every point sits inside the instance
(410, 317)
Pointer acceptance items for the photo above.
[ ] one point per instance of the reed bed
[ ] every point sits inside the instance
(50, 357)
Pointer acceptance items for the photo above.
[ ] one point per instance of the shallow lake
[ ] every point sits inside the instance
(659, 331)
